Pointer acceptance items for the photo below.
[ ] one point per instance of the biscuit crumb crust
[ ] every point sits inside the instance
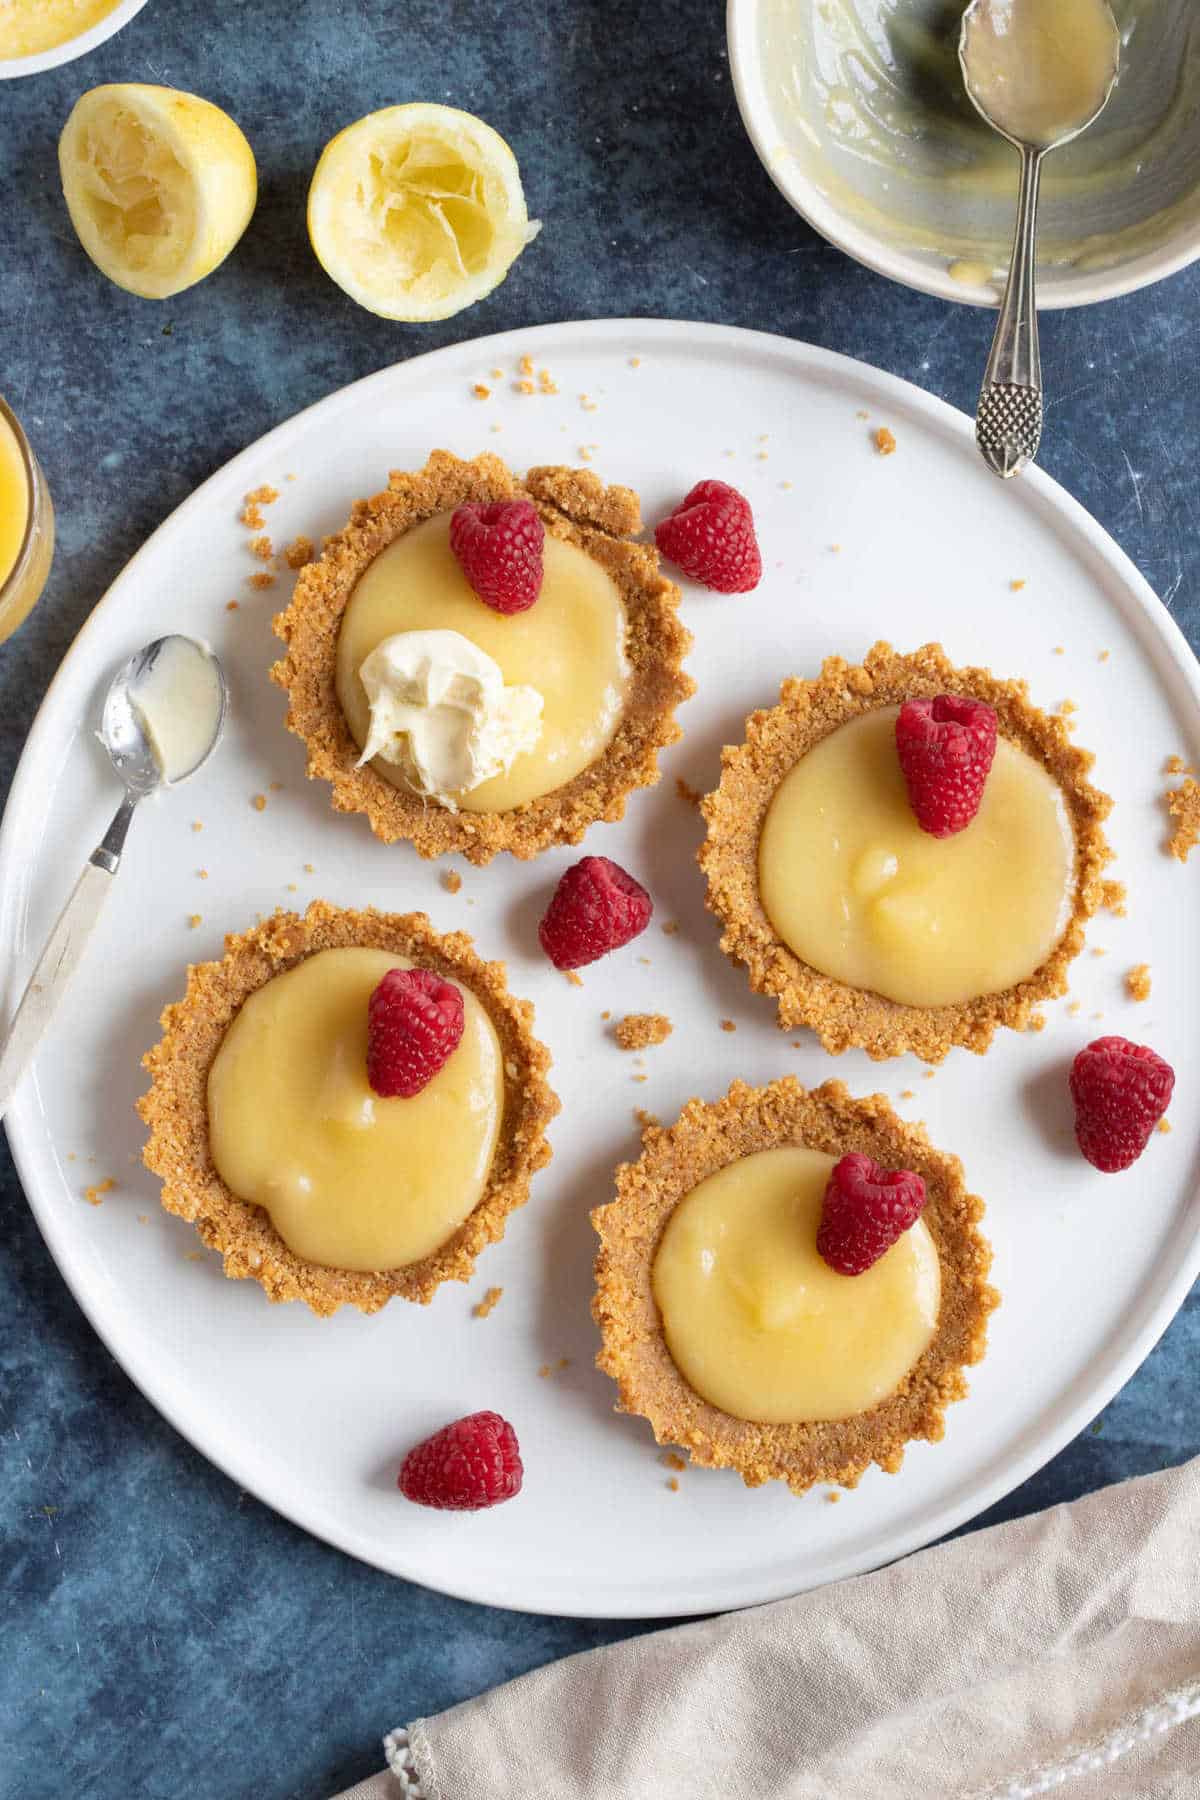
(175, 1108)
(707, 1137)
(844, 1017)
(575, 507)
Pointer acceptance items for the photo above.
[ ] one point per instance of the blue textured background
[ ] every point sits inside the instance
(162, 1632)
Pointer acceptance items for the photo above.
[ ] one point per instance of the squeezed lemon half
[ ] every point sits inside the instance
(160, 185)
(418, 211)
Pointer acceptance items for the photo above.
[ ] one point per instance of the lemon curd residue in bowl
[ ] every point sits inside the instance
(859, 111)
(28, 27)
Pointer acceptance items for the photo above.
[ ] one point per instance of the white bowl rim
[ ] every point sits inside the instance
(899, 265)
(12, 67)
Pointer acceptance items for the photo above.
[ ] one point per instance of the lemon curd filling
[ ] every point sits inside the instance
(350, 1180)
(569, 646)
(14, 500)
(28, 27)
(762, 1327)
(856, 889)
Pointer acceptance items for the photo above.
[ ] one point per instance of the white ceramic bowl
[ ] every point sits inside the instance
(14, 66)
(1121, 208)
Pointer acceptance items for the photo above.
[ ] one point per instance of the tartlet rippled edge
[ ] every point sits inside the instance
(175, 1108)
(844, 1017)
(576, 507)
(706, 1137)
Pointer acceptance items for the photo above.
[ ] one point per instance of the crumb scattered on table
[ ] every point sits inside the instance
(1067, 707)
(194, 919)
(259, 802)
(673, 1484)
(1099, 950)
(644, 959)
(728, 1025)
(606, 1015)
(231, 606)
(309, 869)
(263, 548)
(1037, 1022)
(527, 365)
(574, 977)
(481, 391)
(545, 383)
(641, 1078)
(490, 1301)
(1164, 1125)
(203, 874)
(907, 1094)
(636, 1031)
(1074, 1010)
(143, 1218)
(451, 880)
(544, 1371)
(647, 1120)
(929, 1074)
(261, 579)
(93, 1194)
(1104, 655)
(671, 928)
(635, 362)
(1137, 982)
(671, 1460)
(1059, 650)
(833, 1496)
(885, 441)
(497, 374)
(1017, 584)
(197, 824)
(1183, 804)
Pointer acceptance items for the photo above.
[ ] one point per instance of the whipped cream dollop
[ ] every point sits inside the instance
(441, 712)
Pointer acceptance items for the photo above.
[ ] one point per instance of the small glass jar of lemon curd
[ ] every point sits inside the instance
(26, 525)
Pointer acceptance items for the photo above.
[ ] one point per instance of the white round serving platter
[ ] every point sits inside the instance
(314, 1415)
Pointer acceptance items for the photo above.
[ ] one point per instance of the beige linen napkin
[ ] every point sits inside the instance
(1061, 1650)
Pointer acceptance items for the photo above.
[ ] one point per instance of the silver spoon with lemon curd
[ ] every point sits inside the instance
(161, 721)
(1039, 72)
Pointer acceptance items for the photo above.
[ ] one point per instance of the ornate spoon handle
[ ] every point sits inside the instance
(1008, 419)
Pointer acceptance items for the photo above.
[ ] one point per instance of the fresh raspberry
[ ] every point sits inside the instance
(414, 1024)
(473, 1463)
(499, 549)
(1121, 1091)
(710, 536)
(945, 748)
(865, 1210)
(595, 908)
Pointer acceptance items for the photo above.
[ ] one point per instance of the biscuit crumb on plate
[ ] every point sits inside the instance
(885, 441)
(1137, 982)
(1183, 804)
(489, 1302)
(638, 1030)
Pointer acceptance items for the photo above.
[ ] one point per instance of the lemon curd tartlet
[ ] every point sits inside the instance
(859, 923)
(269, 1138)
(723, 1326)
(598, 657)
